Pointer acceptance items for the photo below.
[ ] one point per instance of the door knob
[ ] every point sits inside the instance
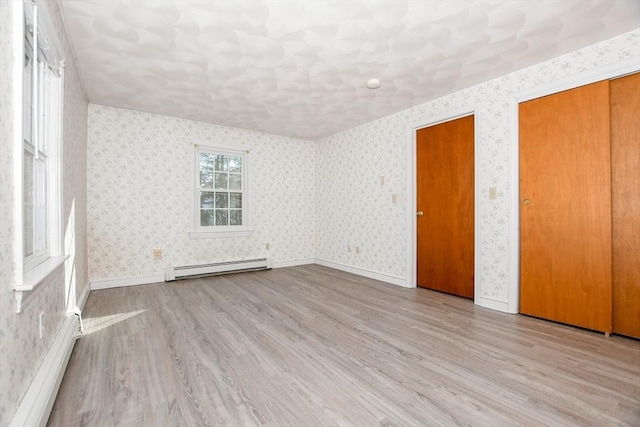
(526, 201)
(419, 213)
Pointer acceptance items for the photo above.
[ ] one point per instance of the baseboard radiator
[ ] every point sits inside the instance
(203, 270)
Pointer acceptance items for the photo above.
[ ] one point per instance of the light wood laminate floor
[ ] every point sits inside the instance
(312, 346)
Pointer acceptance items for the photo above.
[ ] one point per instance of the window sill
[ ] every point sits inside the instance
(219, 234)
(34, 277)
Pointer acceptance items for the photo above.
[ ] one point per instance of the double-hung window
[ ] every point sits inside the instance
(221, 192)
(42, 78)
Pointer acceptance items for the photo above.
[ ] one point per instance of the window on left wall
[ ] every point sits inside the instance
(42, 94)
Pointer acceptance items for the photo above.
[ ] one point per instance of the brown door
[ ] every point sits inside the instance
(625, 158)
(445, 196)
(565, 211)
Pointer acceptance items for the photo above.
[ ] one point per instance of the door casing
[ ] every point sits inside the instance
(411, 202)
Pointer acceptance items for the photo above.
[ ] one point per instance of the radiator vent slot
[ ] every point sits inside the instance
(203, 270)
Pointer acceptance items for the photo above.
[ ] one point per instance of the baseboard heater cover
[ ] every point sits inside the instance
(203, 270)
(36, 405)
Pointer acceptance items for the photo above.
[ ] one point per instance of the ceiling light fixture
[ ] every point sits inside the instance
(373, 83)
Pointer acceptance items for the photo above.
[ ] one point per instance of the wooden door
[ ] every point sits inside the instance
(565, 211)
(625, 162)
(445, 195)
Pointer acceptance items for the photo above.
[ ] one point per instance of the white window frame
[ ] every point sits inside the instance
(47, 102)
(205, 232)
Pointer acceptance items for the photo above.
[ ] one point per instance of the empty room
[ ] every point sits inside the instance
(318, 213)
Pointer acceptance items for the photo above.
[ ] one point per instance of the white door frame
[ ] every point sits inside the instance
(617, 69)
(411, 192)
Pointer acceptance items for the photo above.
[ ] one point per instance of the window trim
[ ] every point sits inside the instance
(195, 230)
(31, 272)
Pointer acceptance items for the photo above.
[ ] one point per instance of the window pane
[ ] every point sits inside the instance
(28, 175)
(206, 217)
(222, 163)
(235, 181)
(206, 179)
(235, 200)
(235, 164)
(206, 200)
(28, 195)
(206, 162)
(27, 109)
(206, 170)
(40, 207)
(235, 217)
(44, 88)
(222, 217)
(222, 200)
(222, 181)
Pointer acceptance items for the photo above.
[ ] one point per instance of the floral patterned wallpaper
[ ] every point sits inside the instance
(359, 210)
(313, 201)
(139, 177)
(357, 174)
(8, 397)
(21, 349)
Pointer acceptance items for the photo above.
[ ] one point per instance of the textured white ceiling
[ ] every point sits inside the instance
(299, 68)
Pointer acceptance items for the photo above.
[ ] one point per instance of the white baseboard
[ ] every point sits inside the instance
(35, 408)
(80, 302)
(493, 304)
(394, 280)
(294, 263)
(145, 280)
(127, 281)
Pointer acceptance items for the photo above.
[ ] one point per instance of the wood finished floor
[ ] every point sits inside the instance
(312, 346)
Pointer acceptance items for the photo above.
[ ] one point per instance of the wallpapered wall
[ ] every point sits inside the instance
(311, 200)
(139, 177)
(21, 349)
(358, 210)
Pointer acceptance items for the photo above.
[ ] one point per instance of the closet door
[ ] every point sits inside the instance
(565, 212)
(625, 157)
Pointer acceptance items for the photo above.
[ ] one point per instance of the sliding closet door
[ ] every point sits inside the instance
(625, 157)
(565, 212)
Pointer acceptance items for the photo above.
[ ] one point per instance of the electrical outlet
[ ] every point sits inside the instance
(381, 180)
(357, 250)
(157, 254)
(267, 246)
(41, 324)
(348, 248)
(493, 193)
